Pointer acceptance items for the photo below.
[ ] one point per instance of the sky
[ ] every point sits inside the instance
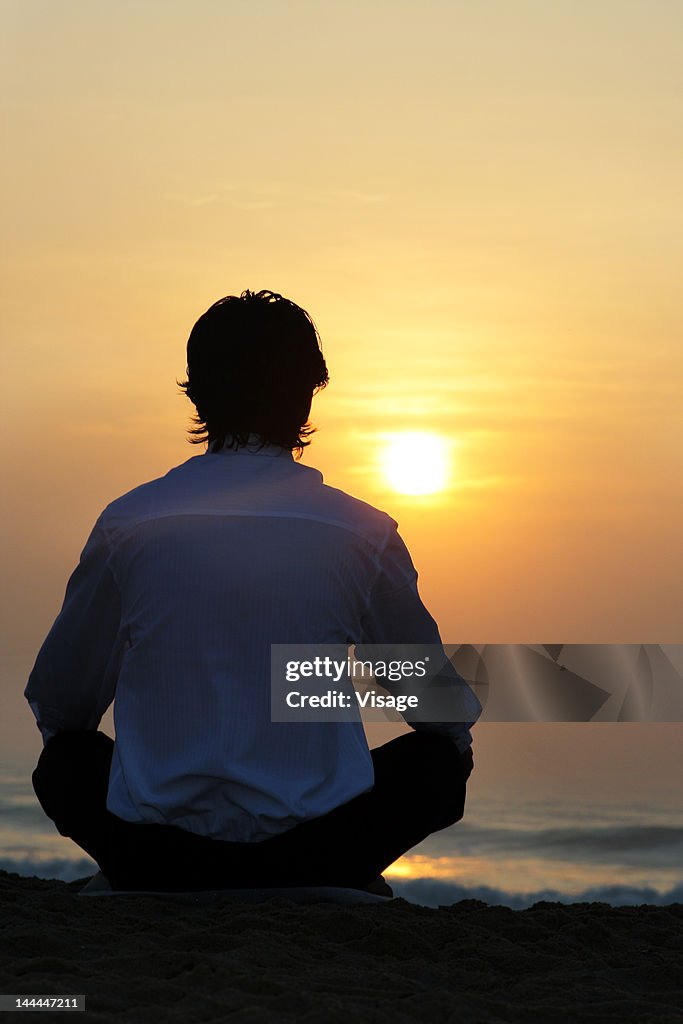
(479, 206)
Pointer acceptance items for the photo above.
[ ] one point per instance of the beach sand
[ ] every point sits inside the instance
(146, 959)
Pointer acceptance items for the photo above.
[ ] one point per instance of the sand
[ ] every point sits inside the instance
(145, 959)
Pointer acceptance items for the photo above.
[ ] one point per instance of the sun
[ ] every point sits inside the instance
(416, 462)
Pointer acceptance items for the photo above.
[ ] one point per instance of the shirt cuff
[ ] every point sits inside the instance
(45, 731)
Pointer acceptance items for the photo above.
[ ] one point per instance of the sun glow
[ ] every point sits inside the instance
(416, 462)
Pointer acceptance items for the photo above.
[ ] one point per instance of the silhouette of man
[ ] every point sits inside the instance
(182, 587)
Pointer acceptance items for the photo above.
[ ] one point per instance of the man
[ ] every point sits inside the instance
(183, 585)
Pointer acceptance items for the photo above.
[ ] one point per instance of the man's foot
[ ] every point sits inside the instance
(379, 887)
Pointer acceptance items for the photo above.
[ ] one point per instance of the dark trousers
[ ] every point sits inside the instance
(420, 784)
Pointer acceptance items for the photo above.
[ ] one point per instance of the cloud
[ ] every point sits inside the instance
(261, 197)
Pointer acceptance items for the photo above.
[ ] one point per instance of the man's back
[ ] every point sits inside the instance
(186, 582)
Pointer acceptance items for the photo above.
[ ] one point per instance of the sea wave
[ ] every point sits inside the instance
(431, 892)
(655, 845)
(61, 868)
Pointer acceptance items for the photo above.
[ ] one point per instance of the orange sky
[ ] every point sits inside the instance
(479, 204)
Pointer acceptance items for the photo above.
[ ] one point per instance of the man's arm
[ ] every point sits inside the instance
(73, 681)
(396, 617)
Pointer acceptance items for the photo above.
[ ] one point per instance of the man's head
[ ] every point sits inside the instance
(254, 363)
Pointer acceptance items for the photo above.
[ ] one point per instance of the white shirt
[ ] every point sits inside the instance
(182, 587)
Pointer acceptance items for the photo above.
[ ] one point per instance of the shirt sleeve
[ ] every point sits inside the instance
(73, 680)
(396, 618)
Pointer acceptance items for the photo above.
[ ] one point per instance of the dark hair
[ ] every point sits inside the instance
(254, 363)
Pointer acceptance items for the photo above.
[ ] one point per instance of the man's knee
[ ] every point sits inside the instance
(444, 776)
(421, 775)
(72, 765)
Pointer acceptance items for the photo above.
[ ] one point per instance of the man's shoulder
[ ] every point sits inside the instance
(356, 514)
(144, 499)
